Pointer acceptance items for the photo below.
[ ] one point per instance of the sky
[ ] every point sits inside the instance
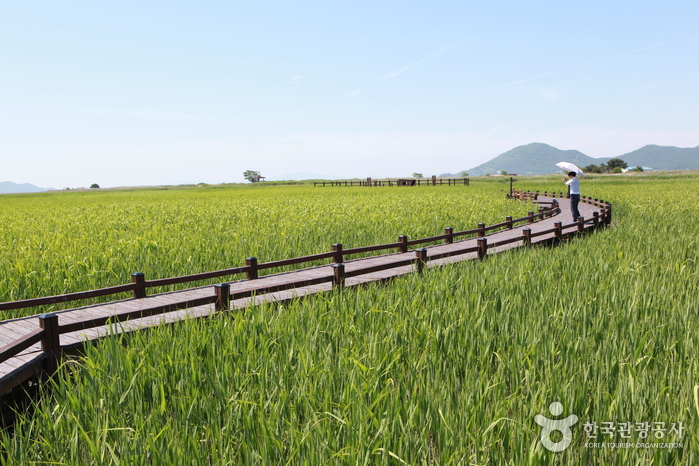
(134, 93)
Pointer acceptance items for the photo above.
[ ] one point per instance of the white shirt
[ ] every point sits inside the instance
(574, 184)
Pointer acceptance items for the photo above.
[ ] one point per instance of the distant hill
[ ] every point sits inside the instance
(533, 159)
(8, 187)
(540, 159)
(664, 157)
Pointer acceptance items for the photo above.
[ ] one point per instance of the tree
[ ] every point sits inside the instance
(617, 170)
(94, 186)
(464, 174)
(253, 176)
(417, 175)
(614, 163)
(592, 168)
(503, 172)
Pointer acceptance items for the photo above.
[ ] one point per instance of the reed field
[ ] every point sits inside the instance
(447, 367)
(63, 242)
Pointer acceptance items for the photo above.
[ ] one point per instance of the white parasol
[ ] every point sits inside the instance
(570, 167)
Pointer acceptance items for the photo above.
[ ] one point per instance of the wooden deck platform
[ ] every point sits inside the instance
(26, 364)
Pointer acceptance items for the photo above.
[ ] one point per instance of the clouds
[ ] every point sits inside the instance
(521, 81)
(642, 49)
(144, 113)
(548, 96)
(547, 93)
(406, 68)
(432, 55)
(352, 94)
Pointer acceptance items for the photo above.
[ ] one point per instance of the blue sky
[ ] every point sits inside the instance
(144, 93)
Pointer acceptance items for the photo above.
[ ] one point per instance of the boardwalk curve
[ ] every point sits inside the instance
(32, 346)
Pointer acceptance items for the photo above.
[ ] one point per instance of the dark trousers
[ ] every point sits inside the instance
(574, 201)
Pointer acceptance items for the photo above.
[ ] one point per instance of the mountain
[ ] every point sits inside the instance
(663, 157)
(8, 187)
(533, 159)
(540, 159)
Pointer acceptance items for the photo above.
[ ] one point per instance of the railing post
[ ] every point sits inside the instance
(338, 275)
(139, 279)
(50, 343)
(595, 218)
(549, 212)
(581, 224)
(527, 233)
(404, 243)
(449, 231)
(482, 248)
(223, 296)
(337, 249)
(508, 219)
(559, 230)
(420, 259)
(481, 230)
(434, 180)
(530, 214)
(608, 217)
(252, 263)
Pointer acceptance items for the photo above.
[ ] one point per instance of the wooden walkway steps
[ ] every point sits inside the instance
(85, 324)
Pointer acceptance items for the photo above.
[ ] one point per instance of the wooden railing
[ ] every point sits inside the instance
(139, 283)
(434, 181)
(50, 330)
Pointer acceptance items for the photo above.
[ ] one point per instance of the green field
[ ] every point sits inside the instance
(58, 243)
(450, 367)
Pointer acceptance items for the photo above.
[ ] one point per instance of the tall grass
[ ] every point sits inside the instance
(57, 243)
(445, 368)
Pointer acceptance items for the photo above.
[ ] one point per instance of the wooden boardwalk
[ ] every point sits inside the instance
(28, 362)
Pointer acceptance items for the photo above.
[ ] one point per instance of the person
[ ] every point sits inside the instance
(574, 185)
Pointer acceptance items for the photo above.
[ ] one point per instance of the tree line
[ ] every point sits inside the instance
(612, 166)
